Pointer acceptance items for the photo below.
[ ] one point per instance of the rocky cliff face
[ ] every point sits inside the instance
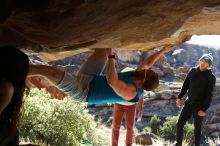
(72, 26)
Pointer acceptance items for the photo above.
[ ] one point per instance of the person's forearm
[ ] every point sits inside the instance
(183, 91)
(53, 74)
(149, 61)
(112, 75)
(122, 89)
(140, 103)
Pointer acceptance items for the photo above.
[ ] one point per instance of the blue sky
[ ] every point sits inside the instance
(206, 40)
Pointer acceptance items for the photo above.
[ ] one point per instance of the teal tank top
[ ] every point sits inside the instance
(100, 92)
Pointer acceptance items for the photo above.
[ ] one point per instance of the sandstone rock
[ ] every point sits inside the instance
(215, 134)
(160, 62)
(165, 94)
(62, 26)
(129, 56)
(174, 85)
(215, 71)
(161, 108)
(214, 127)
(168, 70)
(184, 69)
(158, 71)
(102, 112)
(217, 91)
(213, 118)
(145, 138)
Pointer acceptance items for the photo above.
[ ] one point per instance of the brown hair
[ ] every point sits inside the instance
(151, 80)
(14, 68)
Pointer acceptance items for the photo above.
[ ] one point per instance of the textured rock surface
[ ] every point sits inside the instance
(145, 138)
(71, 26)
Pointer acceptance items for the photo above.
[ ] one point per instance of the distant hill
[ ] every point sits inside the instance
(190, 54)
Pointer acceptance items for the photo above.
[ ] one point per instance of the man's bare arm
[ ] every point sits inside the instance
(126, 91)
(53, 75)
(140, 103)
(140, 108)
(149, 61)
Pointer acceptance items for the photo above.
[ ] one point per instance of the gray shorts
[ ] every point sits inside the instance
(77, 87)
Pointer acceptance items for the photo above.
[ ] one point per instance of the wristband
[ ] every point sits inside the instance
(111, 56)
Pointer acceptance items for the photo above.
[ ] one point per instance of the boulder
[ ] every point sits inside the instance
(158, 71)
(214, 127)
(165, 94)
(145, 138)
(215, 134)
(161, 108)
(168, 70)
(184, 69)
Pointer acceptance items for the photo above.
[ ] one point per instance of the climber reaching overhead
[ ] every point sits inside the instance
(91, 86)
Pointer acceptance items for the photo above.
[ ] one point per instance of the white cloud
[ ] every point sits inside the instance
(206, 40)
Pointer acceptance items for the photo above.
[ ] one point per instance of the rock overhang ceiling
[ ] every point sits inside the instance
(57, 28)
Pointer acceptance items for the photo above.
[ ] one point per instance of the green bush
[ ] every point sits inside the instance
(188, 132)
(155, 124)
(56, 122)
(218, 81)
(147, 129)
(168, 130)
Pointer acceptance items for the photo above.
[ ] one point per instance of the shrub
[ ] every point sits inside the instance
(155, 124)
(188, 132)
(168, 131)
(147, 129)
(56, 122)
